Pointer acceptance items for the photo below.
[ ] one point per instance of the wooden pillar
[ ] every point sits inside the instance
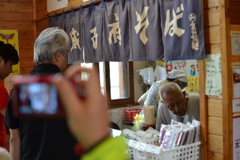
(227, 80)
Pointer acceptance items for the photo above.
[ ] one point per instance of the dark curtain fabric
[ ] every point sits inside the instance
(135, 30)
(57, 21)
(182, 29)
(145, 30)
(93, 33)
(116, 31)
(74, 30)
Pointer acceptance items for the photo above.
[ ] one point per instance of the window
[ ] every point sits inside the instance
(116, 80)
(86, 65)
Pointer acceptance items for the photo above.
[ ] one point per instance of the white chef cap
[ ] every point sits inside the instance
(177, 74)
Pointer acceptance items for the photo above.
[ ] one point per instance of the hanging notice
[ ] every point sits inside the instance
(11, 37)
(53, 5)
(235, 40)
(235, 45)
(193, 84)
(236, 88)
(236, 106)
(190, 68)
(236, 81)
(236, 139)
(161, 63)
(213, 75)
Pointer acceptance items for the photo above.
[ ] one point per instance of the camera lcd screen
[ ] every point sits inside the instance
(37, 98)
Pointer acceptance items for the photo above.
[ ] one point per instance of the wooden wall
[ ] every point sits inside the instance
(211, 106)
(18, 15)
(41, 12)
(216, 111)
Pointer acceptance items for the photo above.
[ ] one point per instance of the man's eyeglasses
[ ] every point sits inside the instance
(171, 106)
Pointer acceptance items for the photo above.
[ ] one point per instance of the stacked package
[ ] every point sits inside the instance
(140, 135)
(170, 136)
(178, 134)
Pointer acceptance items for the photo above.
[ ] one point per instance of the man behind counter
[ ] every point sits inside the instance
(176, 105)
(151, 97)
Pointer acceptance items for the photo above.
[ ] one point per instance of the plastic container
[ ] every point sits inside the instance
(141, 151)
(130, 114)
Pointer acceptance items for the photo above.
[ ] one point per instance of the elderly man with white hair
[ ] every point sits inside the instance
(45, 138)
(151, 97)
(176, 105)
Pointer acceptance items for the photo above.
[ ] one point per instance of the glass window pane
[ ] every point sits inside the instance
(102, 77)
(119, 80)
(86, 65)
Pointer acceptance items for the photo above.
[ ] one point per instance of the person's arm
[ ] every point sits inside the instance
(106, 151)
(160, 116)
(143, 98)
(3, 112)
(13, 123)
(87, 113)
(14, 144)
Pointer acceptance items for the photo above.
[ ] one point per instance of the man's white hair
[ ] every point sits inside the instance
(169, 88)
(48, 43)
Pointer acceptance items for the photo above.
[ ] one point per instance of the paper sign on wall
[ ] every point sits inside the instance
(236, 105)
(235, 45)
(236, 90)
(236, 81)
(53, 5)
(236, 139)
(235, 41)
(193, 84)
(11, 37)
(213, 74)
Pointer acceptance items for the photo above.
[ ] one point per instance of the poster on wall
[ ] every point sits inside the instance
(179, 65)
(236, 139)
(235, 49)
(169, 66)
(236, 90)
(213, 75)
(235, 41)
(236, 83)
(53, 5)
(161, 63)
(235, 45)
(190, 68)
(11, 37)
(193, 85)
(236, 106)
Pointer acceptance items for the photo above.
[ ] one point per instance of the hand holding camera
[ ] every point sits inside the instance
(87, 117)
(36, 96)
(70, 95)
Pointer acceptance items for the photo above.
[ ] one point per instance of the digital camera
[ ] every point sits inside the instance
(36, 96)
